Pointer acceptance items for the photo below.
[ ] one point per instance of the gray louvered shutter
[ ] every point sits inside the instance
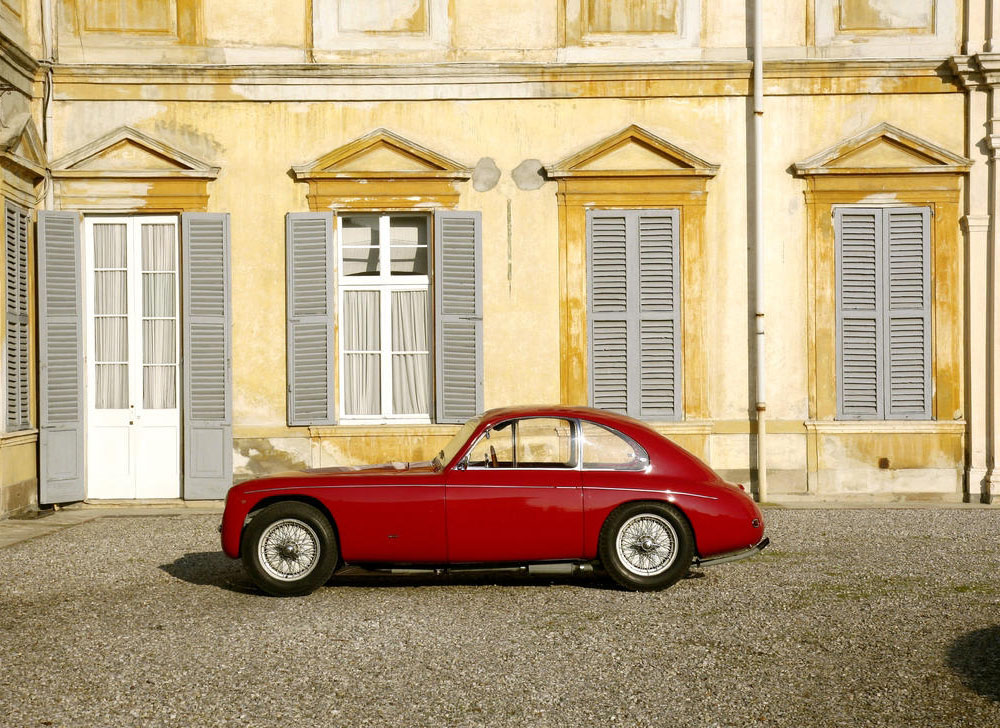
(858, 233)
(458, 299)
(60, 358)
(208, 380)
(633, 311)
(310, 307)
(659, 315)
(16, 344)
(907, 313)
(608, 310)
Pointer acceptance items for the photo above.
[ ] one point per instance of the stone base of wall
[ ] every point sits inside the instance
(18, 472)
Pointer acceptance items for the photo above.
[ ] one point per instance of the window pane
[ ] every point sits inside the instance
(409, 321)
(607, 450)
(499, 444)
(359, 246)
(362, 384)
(109, 246)
(408, 245)
(111, 386)
(157, 294)
(410, 371)
(159, 387)
(410, 384)
(159, 341)
(158, 248)
(544, 442)
(361, 321)
(110, 290)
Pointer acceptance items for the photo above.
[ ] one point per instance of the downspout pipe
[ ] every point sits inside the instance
(48, 49)
(758, 247)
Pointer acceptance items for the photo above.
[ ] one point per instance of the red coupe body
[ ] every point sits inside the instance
(469, 507)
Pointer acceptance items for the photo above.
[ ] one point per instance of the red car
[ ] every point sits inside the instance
(516, 486)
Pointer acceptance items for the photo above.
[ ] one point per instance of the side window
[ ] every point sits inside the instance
(604, 449)
(495, 447)
(544, 442)
(533, 442)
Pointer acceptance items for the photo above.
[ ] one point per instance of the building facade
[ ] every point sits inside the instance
(245, 237)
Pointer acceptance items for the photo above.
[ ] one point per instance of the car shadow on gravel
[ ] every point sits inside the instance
(213, 568)
(975, 658)
(210, 568)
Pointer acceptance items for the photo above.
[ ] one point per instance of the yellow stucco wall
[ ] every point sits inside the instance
(261, 105)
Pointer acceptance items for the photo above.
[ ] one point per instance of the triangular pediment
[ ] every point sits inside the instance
(381, 154)
(634, 151)
(127, 152)
(883, 148)
(21, 144)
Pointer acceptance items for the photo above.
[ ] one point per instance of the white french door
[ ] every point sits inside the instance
(132, 303)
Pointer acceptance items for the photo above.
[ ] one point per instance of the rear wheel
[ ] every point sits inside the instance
(289, 549)
(646, 546)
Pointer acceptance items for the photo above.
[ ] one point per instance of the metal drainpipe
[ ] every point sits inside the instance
(48, 40)
(758, 246)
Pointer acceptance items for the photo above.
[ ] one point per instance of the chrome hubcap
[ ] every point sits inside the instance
(646, 544)
(288, 549)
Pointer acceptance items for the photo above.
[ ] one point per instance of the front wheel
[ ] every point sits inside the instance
(646, 546)
(289, 549)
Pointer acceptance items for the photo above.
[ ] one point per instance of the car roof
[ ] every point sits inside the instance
(560, 410)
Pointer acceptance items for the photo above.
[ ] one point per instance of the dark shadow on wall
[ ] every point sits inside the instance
(975, 658)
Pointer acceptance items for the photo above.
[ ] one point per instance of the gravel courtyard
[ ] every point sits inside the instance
(852, 617)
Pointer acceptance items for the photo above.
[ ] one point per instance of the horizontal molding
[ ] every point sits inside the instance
(886, 427)
(21, 437)
(342, 81)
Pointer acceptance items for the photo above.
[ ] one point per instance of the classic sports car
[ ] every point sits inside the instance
(515, 487)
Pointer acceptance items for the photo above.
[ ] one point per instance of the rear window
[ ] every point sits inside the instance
(605, 449)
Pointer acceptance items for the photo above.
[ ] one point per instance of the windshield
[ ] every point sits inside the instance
(452, 448)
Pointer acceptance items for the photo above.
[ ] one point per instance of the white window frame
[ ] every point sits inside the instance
(386, 284)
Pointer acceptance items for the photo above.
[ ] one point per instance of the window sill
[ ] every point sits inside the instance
(877, 427)
(20, 437)
(382, 430)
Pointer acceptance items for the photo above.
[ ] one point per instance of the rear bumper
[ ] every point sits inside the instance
(737, 556)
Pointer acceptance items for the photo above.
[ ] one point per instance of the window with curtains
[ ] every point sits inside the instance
(16, 354)
(384, 316)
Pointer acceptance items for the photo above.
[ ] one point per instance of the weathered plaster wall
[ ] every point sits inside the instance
(255, 145)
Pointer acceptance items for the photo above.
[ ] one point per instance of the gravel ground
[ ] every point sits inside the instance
(851, 618)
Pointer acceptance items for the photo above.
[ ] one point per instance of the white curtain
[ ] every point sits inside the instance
(410, 379)
(110, 316)
(362, 372)
(159, 317)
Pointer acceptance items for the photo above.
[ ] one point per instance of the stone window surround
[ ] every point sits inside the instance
(940, 39)
(327, 35)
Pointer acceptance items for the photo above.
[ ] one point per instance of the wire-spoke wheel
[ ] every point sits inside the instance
(646, 546)
(289, 548)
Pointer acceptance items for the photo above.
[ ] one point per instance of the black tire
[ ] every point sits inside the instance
(646, 546)
(289, 549)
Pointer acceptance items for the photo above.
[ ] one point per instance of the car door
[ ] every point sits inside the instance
(517, 495)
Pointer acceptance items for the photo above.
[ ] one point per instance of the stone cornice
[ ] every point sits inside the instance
(343, 81)
(22, 69)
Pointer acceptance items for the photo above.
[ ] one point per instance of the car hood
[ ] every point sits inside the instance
(422, 466)
(394, 468)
